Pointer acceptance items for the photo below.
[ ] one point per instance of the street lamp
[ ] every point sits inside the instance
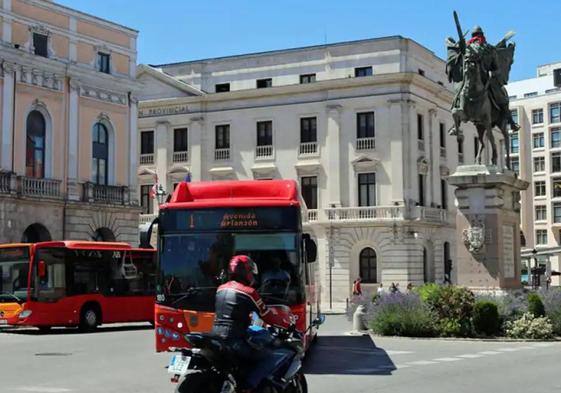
(534, 271)
(160, 194)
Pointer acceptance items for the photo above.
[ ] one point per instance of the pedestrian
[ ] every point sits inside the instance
(380, 290)
(393, 288)
(357, 289)
(409, 287)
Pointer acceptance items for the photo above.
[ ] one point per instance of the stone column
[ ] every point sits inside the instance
(196, 141)
(8, 70)
(333, 139)
(133, 150)
(488, 227)
(73, 125)
(399, 146)
(7, 21)
(161, 137)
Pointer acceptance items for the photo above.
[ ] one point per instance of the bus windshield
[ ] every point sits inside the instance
(14, 269)
(192, 266)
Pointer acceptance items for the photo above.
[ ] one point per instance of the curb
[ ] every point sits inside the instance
(497, 340)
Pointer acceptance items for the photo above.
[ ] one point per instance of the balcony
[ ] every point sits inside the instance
(263, 152)
(146, 159)
(308, 149)
(146, 218)
(6, 183)
(430, 214)
(180, 156)
(222, 154)
(365, 143)
(99, 193)
(40, 188)
(313, 215)
(377, 213)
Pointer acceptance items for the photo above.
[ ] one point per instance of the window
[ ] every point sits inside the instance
(556, 137)
(35, 145)
(555, 113)
(420, 130)
(309, 186)
(532, 94)
(180, 139)
(443, 194)
(40, 44)
(539, 164)
(368, 268)
(442, 134)
(363, 71)
(145, 200)
(222, 87)
(367, 189)
(556, 188)
(514, 143)
(307, 78)
(263, 83)
(541, 236)
(365, 125)
(426, 267)
(514, 115)
(539, 188)
(421, 180)
(308, 130)
(447, 263)
(556, 212)
(100, 150)
(541, 213)
(264, 133)
(556, 162)
(104, 62)
(537, 116)
(147, 142)
(515, 164)
(222, 140)
(538, 140)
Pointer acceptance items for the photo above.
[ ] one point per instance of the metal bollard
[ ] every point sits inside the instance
(359, 318)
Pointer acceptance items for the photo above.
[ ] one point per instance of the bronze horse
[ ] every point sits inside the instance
(476, 106)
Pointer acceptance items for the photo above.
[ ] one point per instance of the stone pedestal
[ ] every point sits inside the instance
(488, 227)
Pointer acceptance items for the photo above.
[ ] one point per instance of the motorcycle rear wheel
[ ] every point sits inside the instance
(200, 381)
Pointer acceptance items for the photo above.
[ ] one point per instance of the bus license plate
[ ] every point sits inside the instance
(179, 364)
(3, 322)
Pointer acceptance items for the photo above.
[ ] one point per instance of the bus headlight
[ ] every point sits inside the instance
(25, 314)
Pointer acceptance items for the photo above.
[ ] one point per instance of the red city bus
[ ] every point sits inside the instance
(75, 283)
(204, 225)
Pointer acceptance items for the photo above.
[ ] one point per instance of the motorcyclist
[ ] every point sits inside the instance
(236, 301)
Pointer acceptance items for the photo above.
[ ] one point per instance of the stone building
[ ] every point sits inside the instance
(68, 116)
(361, 125)
(536, 156)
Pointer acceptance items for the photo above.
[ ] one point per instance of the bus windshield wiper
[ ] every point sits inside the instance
(184, 295)
(10, 295)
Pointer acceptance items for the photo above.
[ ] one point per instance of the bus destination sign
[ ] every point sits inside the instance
(232, 220)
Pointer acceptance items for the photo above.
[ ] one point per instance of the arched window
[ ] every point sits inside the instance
(100, 154)
(447, 263)
(36, 233)
(426, 273)
(104, 235)
(368, 266)
(35, 145)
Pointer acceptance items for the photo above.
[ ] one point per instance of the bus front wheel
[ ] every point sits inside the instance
(89, 318)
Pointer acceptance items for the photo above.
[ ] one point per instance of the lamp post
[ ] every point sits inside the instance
(534, 271)
(160, 195)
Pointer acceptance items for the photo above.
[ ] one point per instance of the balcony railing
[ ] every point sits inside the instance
(40, 188)
(313, 215)
(430, 214)
(180, 156)
(5, 183)
(146, 159)
(264, 151)
(365, 143)
(116, 195)
(222, 154)
(308, 149)
(146, 218)
(380, 213)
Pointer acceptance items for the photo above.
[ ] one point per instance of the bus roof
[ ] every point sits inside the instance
(234, 193)
(84, 245)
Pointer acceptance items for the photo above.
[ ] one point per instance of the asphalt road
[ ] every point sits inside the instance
(122, 360)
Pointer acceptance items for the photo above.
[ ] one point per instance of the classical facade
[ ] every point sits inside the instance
(536, 152)
(68, 157)
(361, 125)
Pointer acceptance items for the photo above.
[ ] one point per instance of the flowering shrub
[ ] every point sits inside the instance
(552, 302)
(401, 315)
(510, 306)
(529, 327)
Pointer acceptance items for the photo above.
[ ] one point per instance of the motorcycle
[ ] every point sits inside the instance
(209, 366)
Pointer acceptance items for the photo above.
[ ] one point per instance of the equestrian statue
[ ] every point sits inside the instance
(479, 72)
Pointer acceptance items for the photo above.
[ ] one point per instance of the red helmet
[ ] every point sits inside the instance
(242, 268)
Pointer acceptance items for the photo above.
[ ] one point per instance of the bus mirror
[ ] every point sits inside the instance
(42, 269)
(311, 248)
(146, 234)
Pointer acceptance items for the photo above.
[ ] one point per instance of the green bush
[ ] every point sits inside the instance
(452, 306)
(535, 305)
(551, 299)
(429, 292)
(529, 327)
(486, 318)
(402, 315)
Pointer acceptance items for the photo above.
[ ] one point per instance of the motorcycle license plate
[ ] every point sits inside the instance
(179, 364)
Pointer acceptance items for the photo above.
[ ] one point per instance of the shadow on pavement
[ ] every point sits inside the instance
(347, 355)
(72, 330)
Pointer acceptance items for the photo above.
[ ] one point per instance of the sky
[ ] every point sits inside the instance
(181, 30)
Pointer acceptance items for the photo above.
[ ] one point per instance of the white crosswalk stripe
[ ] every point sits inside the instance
(470, 356)
(446, 359)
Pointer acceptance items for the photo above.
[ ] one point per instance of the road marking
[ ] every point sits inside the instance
(525, 348)
(400, 366)
(470, 356)
(489, 353)
(446, 359)
(42, 389)
(399, 352)
(543, 345)
(508, 349)
(421, 363)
